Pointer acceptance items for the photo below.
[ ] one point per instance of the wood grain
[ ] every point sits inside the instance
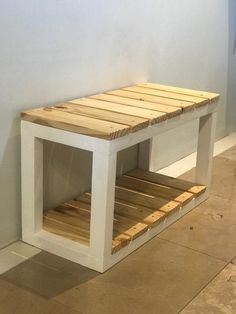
(210, 96)
(170, 110)
(142, 200)
(76, 123)
(154, 189)
(186, 106)
(198, 101)
(180, 184)
(117, 113)
(152, 115)
(135, 123)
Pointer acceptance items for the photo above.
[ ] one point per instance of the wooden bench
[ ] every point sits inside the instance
(101, 226)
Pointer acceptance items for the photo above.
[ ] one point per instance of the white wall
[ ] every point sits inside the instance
(55, 50)
(231, 97)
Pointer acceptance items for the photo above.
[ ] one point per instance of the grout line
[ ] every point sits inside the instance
(15, 253)
(195, 250)
(205, 286)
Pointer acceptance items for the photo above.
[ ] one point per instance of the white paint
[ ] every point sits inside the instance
(55, 50)
(206, 135)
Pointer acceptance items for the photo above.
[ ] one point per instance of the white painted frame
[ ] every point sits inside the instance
(98, 255)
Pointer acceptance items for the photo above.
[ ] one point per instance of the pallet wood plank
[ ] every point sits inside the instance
(142, 200)
(62, 229)
(170, 110)
(75, 123)
(135, 212)
(198, 101)
(176, 183)
(134, 122)
(152, 202)
(210, 96)
(151, 115)
(186, 106)
(125, 227)
(154, 189)
(139, 213)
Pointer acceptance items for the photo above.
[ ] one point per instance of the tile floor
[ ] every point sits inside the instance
(188, 268)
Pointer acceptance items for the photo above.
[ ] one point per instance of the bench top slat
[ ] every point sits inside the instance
(210, 96)
(119, 112)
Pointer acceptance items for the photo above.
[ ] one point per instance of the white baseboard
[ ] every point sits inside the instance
(187, 163)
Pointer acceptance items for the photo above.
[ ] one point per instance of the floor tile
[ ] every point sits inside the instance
(210, 228)
(15, 300)
(230, 153)
(9, 260)
(223, 177)
(15, 254)
(44, 280)
(218, 297)
(22, 249)
(145, 282)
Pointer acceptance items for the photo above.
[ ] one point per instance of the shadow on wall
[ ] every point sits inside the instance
(10, 185)
(68, 171)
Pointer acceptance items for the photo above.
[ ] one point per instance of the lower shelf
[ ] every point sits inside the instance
(142, 200)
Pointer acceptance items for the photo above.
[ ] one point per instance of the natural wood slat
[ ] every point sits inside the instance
(142, 200)
(146, 200)
(134, 122)
(186, 106)
(198, 101)
(180, 184)
(75, 123)
(211, 96)
(135, 212)
(170, 110)
(138, 213)
(151, 115)
(119, 112)
(154, 189)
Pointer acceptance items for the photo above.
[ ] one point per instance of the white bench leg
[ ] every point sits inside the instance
(146, 155)
(102, 207)
(205, 149)
(32, 183)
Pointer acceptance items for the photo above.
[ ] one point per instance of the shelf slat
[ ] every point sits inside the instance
(142, 200)
(180, 184)
(154, 189)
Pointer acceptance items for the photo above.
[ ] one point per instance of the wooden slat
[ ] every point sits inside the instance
(61, 229)
(135, 123)
(68, 222)
(75, 123)
(176, 183)
(76, 217)
(138, 213)
(170, 110)
(168, 94)
(146, 200)
(135, 212)
(154, 99)
(125, 228)
(129, 227)
(211, 96)
(151, 115)
(159, 191)
(142, 199)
